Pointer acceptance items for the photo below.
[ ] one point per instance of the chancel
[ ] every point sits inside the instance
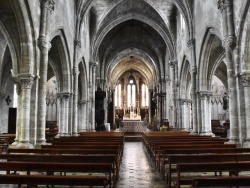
(126, 70)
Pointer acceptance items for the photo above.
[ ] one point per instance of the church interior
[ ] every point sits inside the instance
(142, 71)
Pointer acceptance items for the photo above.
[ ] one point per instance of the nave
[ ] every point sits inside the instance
(137, 169)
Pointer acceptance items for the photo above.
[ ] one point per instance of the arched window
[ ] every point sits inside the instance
(144, 95)
(118, 96)
(131, 92)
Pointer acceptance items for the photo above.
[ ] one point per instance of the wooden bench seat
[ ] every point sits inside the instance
(34, 180)
(191, 168)
(96, 158)
(190, 158)
(50, 167)
(160, 154)
(220, 181)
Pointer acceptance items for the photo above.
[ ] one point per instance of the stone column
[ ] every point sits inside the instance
(149, 104)
(164, 99)
(184, 114)
(44, 46)
(193, 72)
(59, 115)
(168, 82)
(89, 112)
(94, 65)
(246, 85)
(226, 7)
(18, 115)
(83, 121)
(26, 82)
(65, 114)
(75, 101)
(173, 81)
(205, 108)
(77, 46)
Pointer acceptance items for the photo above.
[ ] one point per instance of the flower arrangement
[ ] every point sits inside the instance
(164, 128)
(155, 124)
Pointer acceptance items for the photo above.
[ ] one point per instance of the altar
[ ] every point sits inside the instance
(133, 126)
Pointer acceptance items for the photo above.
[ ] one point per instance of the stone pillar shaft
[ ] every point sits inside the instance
(65, 114)
(193, 71)
(59, 114)
(226, 7)
(75, 101)
(246, 84)
(19, 115)
(24, 137)
(44, 46)
(173, 81)
(94, 65)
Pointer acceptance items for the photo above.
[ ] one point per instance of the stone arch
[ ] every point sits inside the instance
(185, 79)
(26, 36)
(211, 44)
(245, 65)
(83, 79)
(12, 49)
(116, 21)
(127, 53)
(59, 53)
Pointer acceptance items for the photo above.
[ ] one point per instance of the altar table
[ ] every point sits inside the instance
(133, 126)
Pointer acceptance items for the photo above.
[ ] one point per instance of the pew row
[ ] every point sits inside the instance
(185, 169)
(34, 180)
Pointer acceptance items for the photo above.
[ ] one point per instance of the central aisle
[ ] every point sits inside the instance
(137, 170)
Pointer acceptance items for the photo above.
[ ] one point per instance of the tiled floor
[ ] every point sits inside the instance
(137, 170)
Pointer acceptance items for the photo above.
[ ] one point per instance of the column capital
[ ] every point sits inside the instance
(93, 64)
(204, 94)
(24, 80)
(193, 70)
(231, 42)
(82, 101)
(26, 83)
(183, 101)
(65, 95)
(50, 5)
(77, 43)
(191, 43)
(222, 4)
(172, 64)
(75, 71)
(245, 78)
(43, 44)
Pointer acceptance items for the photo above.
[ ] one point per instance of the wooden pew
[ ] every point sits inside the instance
(220, 181)
(184, 168)
(61, 151)
(190, 158)
(50, 167)
(34, 180)
(161, 150)
(107, 158)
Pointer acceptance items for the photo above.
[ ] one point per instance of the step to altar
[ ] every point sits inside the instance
(133, 137)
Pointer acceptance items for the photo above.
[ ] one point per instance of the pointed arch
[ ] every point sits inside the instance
(59, 53)
(185, 78)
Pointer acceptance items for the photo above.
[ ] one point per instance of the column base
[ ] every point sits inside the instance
(208, 134)
(246, 144)
(74, 134)
(39, 143)
(234, 141)
(14, 144)
(24, 145)
(193, 133)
